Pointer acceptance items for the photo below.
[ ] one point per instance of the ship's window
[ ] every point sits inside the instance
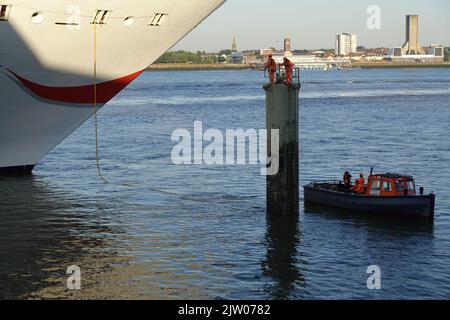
(37, 17)
(375, 185)
(158, 19)
(411, 186)
(4, 12)
(101, 17)
(375, 188)
(400, 186)
(387, 186)
(128, 21)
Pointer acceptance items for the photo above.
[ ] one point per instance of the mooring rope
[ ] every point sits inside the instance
(97, 151)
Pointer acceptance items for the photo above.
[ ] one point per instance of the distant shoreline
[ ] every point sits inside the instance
(389, 65)
(196, 67)
(231, 67)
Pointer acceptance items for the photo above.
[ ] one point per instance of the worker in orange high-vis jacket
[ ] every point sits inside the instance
(289, 68)
(271, 66)
(360, 185)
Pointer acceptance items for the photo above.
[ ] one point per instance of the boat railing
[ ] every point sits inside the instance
(328, 182)
(280, 75)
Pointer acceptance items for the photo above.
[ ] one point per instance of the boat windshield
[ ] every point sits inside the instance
(400, 186)
(387, 186)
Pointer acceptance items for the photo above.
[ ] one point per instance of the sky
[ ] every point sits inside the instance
(313, 24)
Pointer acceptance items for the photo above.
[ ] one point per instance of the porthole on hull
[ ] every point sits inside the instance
(37, 18)
(128, 21)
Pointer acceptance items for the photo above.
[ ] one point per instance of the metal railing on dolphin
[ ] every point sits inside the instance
(280, 75)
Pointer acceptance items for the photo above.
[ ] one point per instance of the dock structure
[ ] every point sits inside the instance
(282, 113)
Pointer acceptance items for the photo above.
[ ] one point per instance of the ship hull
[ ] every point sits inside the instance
(56, 69)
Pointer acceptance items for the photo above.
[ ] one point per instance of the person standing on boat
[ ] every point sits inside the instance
(347, 180)
(360, 185)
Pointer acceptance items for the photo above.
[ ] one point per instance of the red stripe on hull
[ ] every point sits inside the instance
(82, 94)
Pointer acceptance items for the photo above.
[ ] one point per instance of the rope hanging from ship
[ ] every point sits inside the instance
(97, 151)
(97, 148)
(95, 111)
(97, 145)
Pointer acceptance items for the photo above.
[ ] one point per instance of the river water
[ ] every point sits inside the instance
(161, 231)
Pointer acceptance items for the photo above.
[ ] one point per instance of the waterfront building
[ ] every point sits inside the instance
(346, 44)
(287, 47)
(265, 52)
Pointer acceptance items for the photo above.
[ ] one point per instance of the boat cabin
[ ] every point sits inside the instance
(390, 185)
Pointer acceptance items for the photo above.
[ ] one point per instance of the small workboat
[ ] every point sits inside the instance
(388, 193)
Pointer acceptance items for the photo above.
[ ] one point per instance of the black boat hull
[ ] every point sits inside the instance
(418, 206)
(16, 171)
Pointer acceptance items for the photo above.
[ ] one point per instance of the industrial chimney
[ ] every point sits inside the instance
(412, 45)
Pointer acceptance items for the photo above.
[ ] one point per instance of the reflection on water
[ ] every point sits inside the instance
(45, 229)
(284, 263)
(400, 247)
(43, 232)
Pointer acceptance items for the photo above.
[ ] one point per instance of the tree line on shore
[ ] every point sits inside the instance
(182, 56)
(186, 57)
